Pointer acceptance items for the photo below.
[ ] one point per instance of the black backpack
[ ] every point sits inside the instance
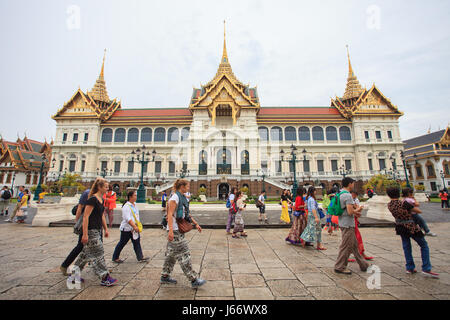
(6, 195)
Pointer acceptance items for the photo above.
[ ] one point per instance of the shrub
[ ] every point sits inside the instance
(419, 187)
(202, 190)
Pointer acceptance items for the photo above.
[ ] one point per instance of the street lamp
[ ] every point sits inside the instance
(39, 187)
(183, 173)
(262, 174)
(402, 155)
(345, 172)
(142, 157)
(104, 172)
(442, 173)
(293, 160)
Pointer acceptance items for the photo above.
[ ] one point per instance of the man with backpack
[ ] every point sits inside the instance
(5, 196)
(346, 212)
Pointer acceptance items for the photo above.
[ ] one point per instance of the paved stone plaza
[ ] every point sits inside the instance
(262, 266)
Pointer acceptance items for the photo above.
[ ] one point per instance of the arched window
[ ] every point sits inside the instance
(276, 134)
(245, 157)
(344, 134)
(224, 156)
(160, 135)
(119, 135)
(146, 135)
(317, 133)
(172, 135)
(304, 134)
(133, 135)
(107, 135)
(203, 157)
(263, 133)
(290, 134)
(185, 134)
(331, 134)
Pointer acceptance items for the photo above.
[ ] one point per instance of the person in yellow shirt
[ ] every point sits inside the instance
(23, 207)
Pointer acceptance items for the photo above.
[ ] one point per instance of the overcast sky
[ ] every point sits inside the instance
(294, 51)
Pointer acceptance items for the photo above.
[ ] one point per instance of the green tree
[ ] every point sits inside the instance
(380, 183)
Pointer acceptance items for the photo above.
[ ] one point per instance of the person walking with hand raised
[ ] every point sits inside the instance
(130, 228)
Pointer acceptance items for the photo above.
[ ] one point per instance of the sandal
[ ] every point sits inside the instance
(321, 248)
(351, 260)
(235, 236)
(368, 258)
(118, 261)
(244, 235)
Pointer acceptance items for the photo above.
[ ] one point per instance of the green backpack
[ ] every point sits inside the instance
(335, 208)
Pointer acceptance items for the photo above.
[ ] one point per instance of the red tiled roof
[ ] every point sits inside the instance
(151, 112)
(267, 111)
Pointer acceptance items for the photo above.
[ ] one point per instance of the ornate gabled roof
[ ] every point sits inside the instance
(22, 155)
(92, 104)
(224, 93)
(360, 101)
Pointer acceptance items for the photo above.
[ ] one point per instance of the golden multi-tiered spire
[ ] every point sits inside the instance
(99, 92)
(225, 67)
(353, 89)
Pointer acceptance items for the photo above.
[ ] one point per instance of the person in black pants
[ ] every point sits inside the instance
(129, 229)
(79, 247)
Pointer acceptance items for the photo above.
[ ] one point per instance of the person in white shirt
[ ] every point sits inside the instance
(129, 229)
(262, 207)
(177, 245)
(230, 215)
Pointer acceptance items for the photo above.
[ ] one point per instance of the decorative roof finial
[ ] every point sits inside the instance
(353, 89)
(224, 54)
(350, 69)
(102, 74)
(99, 92)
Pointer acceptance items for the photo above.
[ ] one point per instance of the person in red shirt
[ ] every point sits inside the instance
(110, 204)
(444, 198)
(299, 222)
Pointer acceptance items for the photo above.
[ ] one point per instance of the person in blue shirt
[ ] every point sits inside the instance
(19, 199)
(79, 247)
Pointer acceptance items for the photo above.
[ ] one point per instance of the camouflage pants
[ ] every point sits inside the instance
(178, 250)
(93, 252)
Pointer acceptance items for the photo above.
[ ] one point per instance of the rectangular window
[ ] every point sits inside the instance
(430, 170)
(104, 165)
(348, 164)
(291, 167)
(145, 167)
(130, 166)
(419, 171)
(370, 165)
(334, 165)
(306, 166)
(86, 136)
(61, 165)
(28, 179)
(171, 167)
(83, 165)
(75, 137)
(9, 178)
(116, 166)
(157, 166)
(433, 186)
(35, 178)
(184, 165)
(378, 135)
(264, 166)
(320, 165)
(65, 137)
(446, 169)
(72, 165)
(382, 163)
(366, 135)
(389, 133)
(277, 166)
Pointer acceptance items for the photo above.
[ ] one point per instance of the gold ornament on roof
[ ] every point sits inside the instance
(354, 88)
(99, 92)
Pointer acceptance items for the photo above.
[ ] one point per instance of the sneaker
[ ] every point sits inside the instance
(144, 259)
(431, 234)
(8, 220)
(63, 271)
(108, 282)
(431, 274)
(198, 283)
(345, 271)
(168, 280)
(411, 271)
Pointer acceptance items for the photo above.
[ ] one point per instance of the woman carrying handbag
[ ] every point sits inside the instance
(130, 228)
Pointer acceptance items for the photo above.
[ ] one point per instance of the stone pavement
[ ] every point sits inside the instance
(263, 266)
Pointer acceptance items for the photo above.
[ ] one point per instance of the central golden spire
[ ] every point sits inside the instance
(224, 54)
(354, 88)
(224, 66)
(99, 92)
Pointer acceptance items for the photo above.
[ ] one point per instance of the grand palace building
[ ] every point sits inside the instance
(225, 138)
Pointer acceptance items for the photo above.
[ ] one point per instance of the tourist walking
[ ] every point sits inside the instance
(93, 223)
(313, 229)
(5, 196)
(361, 249)
(129, 229)
(23, 210)
(177, 246)
(19, 199)
(164, 201)
(79, 247)
(261, 205)
(408, 229)
(408, 196)
(349, 242)
(284, 200)
(299, 222)
(239, 219)
(325, 203)
(444, 198)
(110, 199)
(230, 202)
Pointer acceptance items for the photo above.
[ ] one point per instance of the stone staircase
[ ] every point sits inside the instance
(163, 187)
(278, 184)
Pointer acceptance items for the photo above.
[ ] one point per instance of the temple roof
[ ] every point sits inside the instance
(431, 144)
(99, 92)
(25, 155)
(353, 88)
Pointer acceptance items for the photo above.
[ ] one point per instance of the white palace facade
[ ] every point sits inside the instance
(225, 138)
